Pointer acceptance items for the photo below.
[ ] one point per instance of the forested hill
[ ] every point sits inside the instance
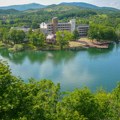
(10, 11)
(80, 4)
(39, 6)
(24, 7)
(87, 5)
(66, 7)
(83, 15)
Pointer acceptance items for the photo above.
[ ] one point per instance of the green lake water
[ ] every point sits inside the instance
(72, 69)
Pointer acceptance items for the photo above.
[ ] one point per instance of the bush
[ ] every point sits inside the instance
(17, 47)
(42, 100)
(30, 46)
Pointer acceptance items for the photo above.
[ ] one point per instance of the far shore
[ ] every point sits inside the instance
(88, 43)
(82, 43)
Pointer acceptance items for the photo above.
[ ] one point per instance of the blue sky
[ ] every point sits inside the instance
(110, 3)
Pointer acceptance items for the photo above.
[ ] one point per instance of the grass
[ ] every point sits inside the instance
(75, 44)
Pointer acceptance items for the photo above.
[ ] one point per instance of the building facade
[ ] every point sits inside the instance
(54, 26)
(83, 30)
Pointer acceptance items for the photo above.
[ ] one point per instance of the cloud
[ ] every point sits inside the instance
(108, 3)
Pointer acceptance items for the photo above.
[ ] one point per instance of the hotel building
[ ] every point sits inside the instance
(54, 26)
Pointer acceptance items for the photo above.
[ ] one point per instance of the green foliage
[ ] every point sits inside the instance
(115, 103)
(76, 35)
(37, 38)
(109, 18)
(3, 34)
(118, 31)
(35, 25)
(17, 36)
(10, 93)
(43, 100)
(101, 32)
(35, 100)
(63, 38)
(17, 47)
(82, 102)
(28, 40)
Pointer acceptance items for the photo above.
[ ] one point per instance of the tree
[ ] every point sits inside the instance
(34, 100)
(37, 38)
(13, 37)
(41, 39)
(17, 36)
(75, 35)
(118, 32)
(43, 100)
(10, 93)
(6, 37)
(63, 38)
(115, 103)
(35, 25)
(100, 32)
(20, 36)
(3, 34)
(83, 102)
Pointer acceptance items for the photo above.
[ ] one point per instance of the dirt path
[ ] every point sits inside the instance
(93, 43)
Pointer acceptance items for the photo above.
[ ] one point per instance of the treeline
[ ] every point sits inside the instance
(32, 18)
(12, 36)
(44, 100)
(35, 38)
(103, 33)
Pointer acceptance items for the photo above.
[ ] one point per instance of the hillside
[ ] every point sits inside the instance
(62, 12)
(24, 7)
(10, 11)
(65, 12)
(81, 5)
(61, 8)
(88, 6)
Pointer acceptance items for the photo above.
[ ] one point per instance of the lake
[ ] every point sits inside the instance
(72, 69)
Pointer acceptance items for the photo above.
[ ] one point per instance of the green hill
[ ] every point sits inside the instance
(10, 11)
(24, 7)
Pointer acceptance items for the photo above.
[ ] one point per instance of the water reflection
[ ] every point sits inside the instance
(95, 53)
(37, 56)
(73, 69)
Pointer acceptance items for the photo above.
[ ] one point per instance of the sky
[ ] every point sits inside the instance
(108, 3)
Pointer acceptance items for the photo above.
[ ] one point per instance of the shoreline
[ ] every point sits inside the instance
(81, 44)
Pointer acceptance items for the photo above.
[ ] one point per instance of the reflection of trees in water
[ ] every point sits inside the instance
(33, 56)
(65, 56)
(17, 58)
(56, 56)
(95, 52)
(4, 53)
(117, 46)
(38, 56)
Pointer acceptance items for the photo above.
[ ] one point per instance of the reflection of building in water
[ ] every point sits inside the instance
(54, 26)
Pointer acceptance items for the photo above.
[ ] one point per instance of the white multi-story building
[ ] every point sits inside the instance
(54, 26)
(83, 30)
(51, 28)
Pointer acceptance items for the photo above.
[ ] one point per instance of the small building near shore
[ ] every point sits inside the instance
(51, 39)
